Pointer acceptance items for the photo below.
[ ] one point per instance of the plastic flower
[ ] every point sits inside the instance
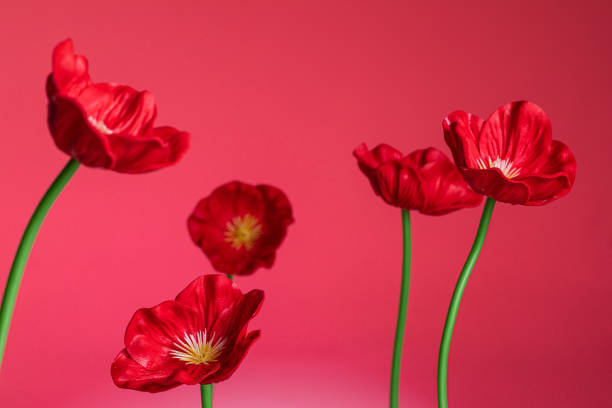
(106, 125)
(511, 156)
(425, 180)
(198, 338)
(240, 226)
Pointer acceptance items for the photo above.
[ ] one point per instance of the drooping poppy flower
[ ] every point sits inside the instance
(424, 180)
(240, 226)
(106, 125)
(511, 156)
(198, 338)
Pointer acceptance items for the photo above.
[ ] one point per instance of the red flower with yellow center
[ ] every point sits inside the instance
(424, 180)
(239, 226)
(198, 338)
(106, 125)
(511, 156)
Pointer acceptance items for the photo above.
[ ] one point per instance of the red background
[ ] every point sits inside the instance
(281, 92)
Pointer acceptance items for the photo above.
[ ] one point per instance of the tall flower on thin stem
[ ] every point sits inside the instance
(240, 226)
(99, 125)
(426, 181)
(512, 158)
(200, 337)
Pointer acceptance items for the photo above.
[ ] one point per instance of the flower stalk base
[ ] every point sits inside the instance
(206, 392)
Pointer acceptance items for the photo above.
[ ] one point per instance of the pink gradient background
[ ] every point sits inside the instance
(281, 92)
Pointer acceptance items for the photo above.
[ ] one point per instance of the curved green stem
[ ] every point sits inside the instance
(401, 315)
(206, 393)
(23, 252)
(456, 299)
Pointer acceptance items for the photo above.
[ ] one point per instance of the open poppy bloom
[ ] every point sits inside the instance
(425, 180)
(106, 125)
(511, 156)
(240, 226)
(198, 338)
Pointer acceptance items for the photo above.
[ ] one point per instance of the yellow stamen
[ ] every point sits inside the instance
(504, 165)
(197, 349)
(243, 231)
(100, 125)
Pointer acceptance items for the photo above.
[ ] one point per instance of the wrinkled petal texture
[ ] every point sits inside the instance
(212, 303)
(425, 180)
(212, 219)
(106, 125)
(127, 373)
(519, 137)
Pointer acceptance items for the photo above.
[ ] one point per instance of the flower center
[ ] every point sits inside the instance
(100, 125)
(197, 349)
(504, 165)
(243, 231)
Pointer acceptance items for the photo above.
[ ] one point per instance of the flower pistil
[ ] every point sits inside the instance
(243, 231)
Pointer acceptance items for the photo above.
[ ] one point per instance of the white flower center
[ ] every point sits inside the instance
(198, 349)
(101, 126)
(504, 165)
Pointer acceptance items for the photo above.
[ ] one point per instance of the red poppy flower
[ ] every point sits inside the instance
(425, 180)
(240, 226)
(106, 125)
(198, 338)
(511, 156)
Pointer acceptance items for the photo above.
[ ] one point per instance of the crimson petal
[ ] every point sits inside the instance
(519, 132)
(152, 333)
(70, 71)
(162, 147)
(73, 134)
(235, 358)
(461, 132)
(234, 320)
(127, 373)
(209, 295)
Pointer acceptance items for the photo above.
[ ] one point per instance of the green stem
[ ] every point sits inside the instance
(206, 392)
(231, 277)
(401, 315)
(23, 252)
(456, 299)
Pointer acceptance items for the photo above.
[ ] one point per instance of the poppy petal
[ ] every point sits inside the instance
(235, 358)
(152, 333)
(209, 295)
(234, 322)
(164, 146)
(70, 71)
(73, 134)
(556, 177)
(119, 109)
(461, 132)
(127, 373)
(493, 183)
(519, 132)
(399, 185)
(445, 189)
